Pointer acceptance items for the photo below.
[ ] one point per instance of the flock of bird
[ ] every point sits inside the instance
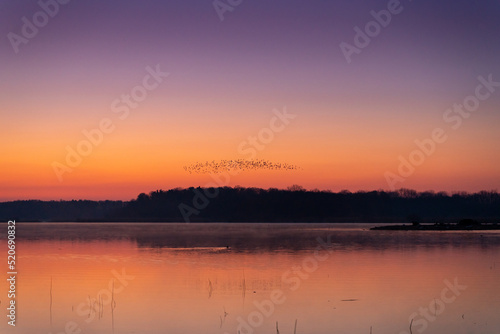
(216, 167)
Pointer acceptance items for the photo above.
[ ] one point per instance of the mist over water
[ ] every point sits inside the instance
(221, 278)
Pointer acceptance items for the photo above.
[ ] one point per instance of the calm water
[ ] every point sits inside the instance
(221, 278)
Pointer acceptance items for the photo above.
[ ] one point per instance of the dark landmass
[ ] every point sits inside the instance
(59, 211)
(462, 225)
(238, 204)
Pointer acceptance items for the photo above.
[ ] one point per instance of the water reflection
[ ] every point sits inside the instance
(218, 278)
(255, 237)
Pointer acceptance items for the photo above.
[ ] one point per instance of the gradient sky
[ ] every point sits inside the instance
(353, 120)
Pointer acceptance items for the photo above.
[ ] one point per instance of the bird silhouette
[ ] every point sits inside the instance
(217, 167)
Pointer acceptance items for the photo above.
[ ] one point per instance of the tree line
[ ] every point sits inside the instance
(295, 204)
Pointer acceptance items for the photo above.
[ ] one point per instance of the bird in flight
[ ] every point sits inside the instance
(217, 167)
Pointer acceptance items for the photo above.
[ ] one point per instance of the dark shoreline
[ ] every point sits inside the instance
(463, 225)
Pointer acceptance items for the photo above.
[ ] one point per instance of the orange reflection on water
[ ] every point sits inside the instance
(219, 290)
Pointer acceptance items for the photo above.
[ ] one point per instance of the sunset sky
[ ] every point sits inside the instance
(227, 79)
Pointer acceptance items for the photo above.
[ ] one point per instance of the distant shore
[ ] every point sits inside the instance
(293, 205)
(463, 225)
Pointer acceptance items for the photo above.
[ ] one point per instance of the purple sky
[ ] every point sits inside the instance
(226, 77)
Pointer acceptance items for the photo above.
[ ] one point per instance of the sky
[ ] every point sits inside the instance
(108, 99)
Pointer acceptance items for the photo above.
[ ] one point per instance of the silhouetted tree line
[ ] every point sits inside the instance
(69, 211)
(295, 204)
(298, 205)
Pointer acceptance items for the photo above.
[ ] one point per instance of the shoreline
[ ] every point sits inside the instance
(462, 225)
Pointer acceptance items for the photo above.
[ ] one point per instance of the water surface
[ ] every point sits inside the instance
(221, 278)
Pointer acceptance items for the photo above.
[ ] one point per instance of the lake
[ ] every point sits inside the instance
(253, 278)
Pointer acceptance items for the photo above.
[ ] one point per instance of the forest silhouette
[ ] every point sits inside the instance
(226, 204)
